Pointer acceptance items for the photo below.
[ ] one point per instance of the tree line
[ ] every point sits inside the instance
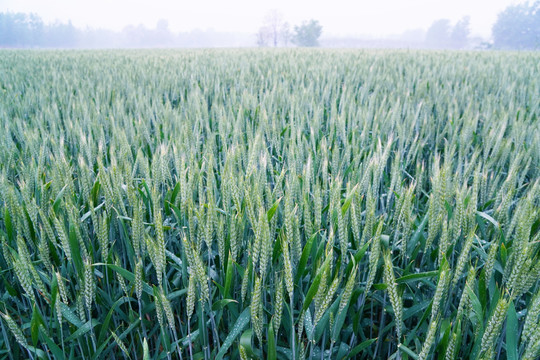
(517, 27)
(20, 30)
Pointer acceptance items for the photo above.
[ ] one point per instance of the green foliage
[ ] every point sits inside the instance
(334, 204)
(442, 35)
(518, 27)
(307, 34)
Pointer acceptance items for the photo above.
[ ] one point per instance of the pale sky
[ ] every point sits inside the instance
(377, 18)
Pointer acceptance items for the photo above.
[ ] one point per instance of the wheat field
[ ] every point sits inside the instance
(290, 204)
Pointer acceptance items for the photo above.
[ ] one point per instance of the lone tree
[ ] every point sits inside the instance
(307, 34)
(275, 30)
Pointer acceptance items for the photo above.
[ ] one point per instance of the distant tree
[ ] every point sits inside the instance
(263, 36)
(285, 34)
(459, 36)
(518, 27)
(307, 34)
(162, 26)
(163, 36)
(274, 22)
(438, 34)
(60, 35)
(137, 36)
(20, 30)
(275, 30)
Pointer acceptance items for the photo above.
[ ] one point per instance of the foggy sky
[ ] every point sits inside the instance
(377, 18)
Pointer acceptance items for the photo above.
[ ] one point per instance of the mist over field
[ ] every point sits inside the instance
(240, 23)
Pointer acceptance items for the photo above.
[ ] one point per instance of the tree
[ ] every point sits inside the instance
(20, 30)
(275, 30)
(60, 35)
(162, 34)
(518, 27)
(262, 36)
(308, 33)
(285, 34)
(438, 34)
(460, 33)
